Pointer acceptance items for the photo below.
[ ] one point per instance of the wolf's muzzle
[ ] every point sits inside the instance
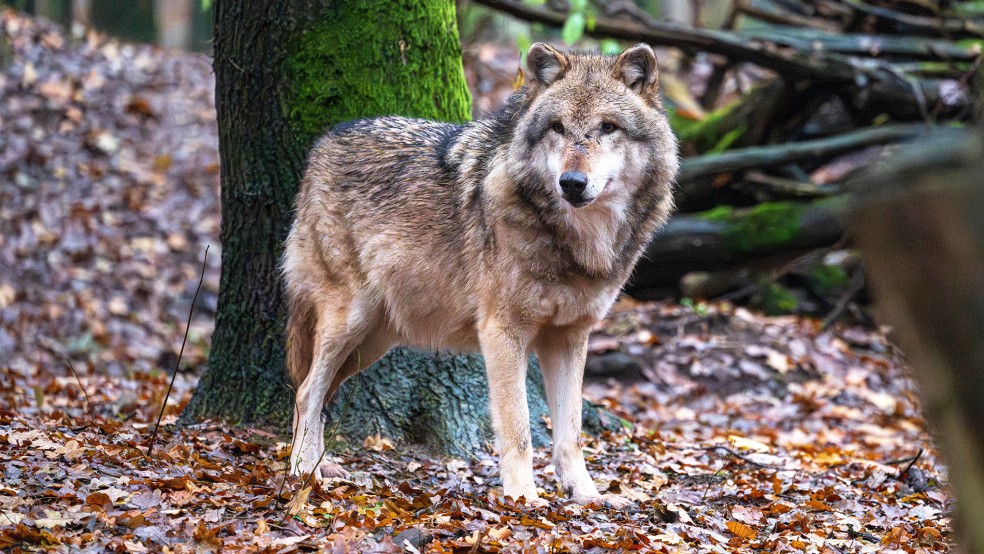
(572, 184)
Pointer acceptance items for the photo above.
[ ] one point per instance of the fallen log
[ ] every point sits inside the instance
(728, 237)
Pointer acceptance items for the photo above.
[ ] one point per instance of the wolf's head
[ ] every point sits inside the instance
(593, 128)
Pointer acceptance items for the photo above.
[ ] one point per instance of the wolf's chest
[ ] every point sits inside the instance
(571, 304)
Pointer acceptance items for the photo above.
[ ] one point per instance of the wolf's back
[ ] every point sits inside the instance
(374, 191)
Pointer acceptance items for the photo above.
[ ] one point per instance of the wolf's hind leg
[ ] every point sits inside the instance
(373, 347)
(562, 353)
(335, 339)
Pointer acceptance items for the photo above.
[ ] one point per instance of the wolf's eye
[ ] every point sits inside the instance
(557, 127)
(608, 128)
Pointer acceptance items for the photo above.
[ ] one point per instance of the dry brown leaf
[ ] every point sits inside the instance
(377, 443)
(298, 501)
(741, 530)
(818, 506)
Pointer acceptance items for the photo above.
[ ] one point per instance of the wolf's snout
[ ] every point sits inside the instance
(573, 183)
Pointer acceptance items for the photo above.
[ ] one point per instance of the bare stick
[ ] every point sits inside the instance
(191, 311)
(855, 286)
(79, 381)
(908, 467)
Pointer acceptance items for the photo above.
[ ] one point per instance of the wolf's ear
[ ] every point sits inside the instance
(545, 64)
(636, 67)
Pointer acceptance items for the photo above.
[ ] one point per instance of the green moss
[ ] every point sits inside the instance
(776, 300)
(827, 279)
(365, 59)
(715, 133)
(762, 226)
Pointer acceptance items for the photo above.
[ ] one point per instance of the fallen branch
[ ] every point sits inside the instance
(955, 27)
(765, 156)
(912, 48)
(910, 464)
(855, 286)
(78, 380)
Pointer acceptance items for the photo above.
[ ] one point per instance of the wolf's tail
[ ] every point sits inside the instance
(302, 322)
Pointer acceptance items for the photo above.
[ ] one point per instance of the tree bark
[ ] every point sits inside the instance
(919, 225)
(285, 73)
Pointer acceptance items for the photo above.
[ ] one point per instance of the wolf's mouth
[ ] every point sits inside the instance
(579, 202)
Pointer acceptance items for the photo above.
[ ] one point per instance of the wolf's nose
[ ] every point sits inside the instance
(573, 183)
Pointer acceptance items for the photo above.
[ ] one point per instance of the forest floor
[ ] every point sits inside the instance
(744, 433)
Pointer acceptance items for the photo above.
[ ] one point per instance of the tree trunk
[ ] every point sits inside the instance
(285, 73)
(919, 225)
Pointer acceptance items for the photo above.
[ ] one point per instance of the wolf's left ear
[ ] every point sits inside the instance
(636, 67)
(545, 64)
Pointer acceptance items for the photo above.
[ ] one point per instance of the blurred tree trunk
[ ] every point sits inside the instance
(285, 73)
(173, 21)
(82, 11)
(920, 226)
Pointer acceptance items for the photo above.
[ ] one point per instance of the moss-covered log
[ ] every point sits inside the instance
(285, 73)
(727, 237)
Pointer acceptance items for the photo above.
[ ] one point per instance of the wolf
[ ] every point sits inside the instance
(509, 235)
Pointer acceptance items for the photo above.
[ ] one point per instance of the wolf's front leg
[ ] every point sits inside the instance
(562, 354)
(505, 353)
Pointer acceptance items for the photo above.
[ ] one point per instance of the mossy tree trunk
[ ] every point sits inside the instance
(285, 73)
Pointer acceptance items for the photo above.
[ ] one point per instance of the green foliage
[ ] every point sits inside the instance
(827, 279)
(727, 140)
(578, 20)
(713, 134)
(699, 308)
(762, 226)
(573, 28)
(610, 47)
(523, 43)
(968, 9)
(375, 58)
(777, 299)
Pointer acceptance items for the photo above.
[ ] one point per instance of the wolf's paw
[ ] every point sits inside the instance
(324, 470)
(604, 500)
(533, 504)
(329, 470)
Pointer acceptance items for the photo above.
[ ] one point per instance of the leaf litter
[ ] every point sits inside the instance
(742, 433)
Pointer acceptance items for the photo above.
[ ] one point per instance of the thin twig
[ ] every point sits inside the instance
(723, 466)
(191, 311)
(79, 381)
(908, 467)
(855, 286)
(745, 459)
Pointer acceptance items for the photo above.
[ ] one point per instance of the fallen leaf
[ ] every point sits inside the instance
(741, 530)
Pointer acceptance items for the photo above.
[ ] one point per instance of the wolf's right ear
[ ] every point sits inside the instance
(545, 64)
